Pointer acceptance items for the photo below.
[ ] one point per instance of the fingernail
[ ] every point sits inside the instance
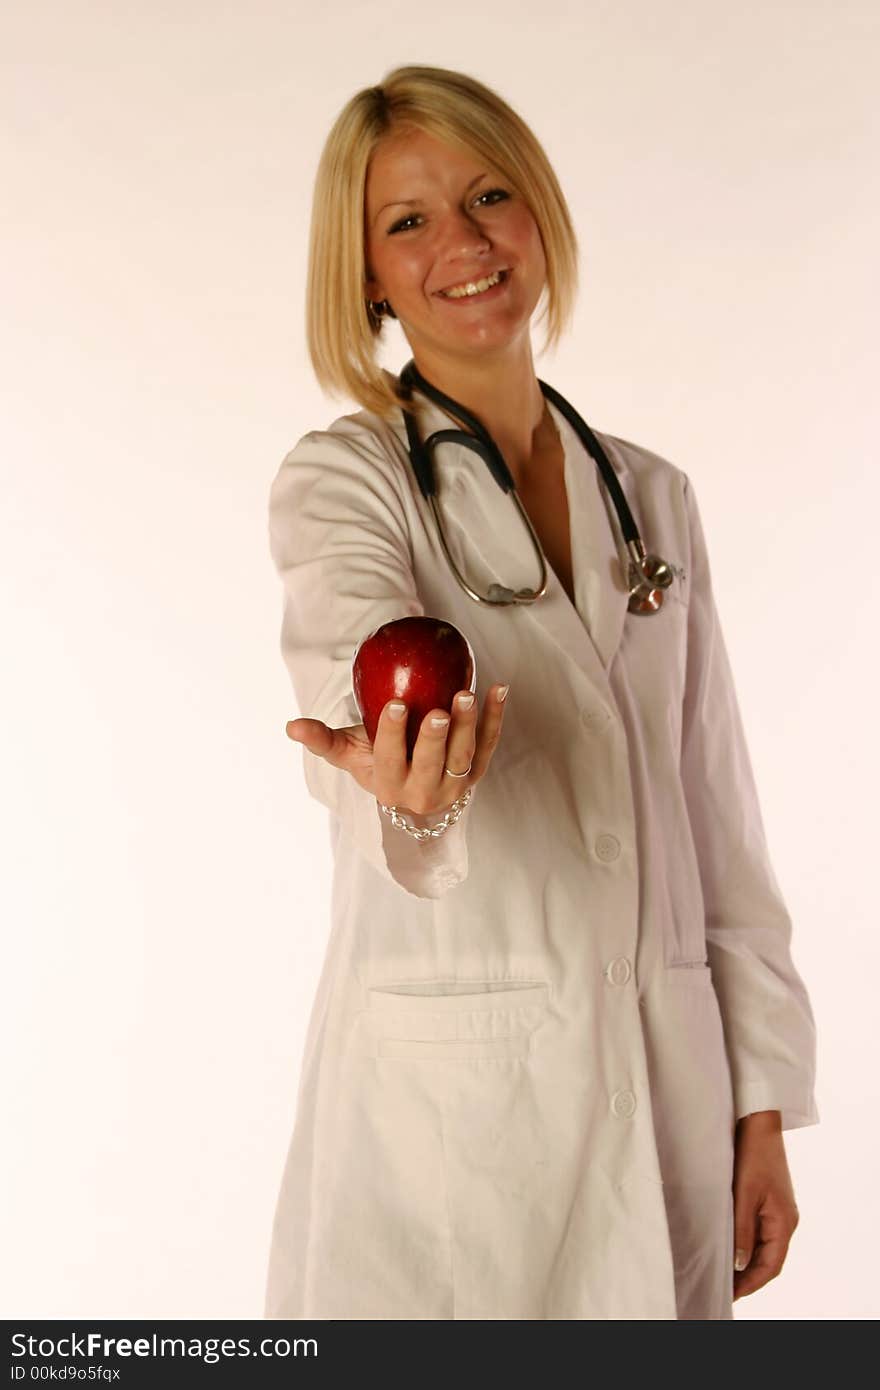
(465, 701)
(397, 709)
(439, 721)
(741, 1260)
(502, 692)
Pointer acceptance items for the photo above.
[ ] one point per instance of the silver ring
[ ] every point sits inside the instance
(450, 773)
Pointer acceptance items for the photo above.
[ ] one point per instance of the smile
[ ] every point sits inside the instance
(477, 289)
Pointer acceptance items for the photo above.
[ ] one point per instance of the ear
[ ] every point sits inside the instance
(374, 290)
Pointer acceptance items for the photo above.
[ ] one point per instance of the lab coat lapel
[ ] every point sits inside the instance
(489, 542)
(598, 553)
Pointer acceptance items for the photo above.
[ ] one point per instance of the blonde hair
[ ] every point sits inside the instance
(341, 329)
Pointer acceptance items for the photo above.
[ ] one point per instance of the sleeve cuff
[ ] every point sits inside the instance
(796, 1105)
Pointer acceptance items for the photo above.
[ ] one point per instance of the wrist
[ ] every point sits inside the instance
(428, 826)
(760, 1122)
(418, 818)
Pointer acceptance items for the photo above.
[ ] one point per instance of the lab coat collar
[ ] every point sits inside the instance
(489, 541)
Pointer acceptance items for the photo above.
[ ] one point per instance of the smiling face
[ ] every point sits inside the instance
(437, 218)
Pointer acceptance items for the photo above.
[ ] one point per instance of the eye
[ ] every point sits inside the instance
(490, 193)
(398, 226)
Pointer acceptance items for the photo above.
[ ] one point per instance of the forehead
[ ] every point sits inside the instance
(415, 158)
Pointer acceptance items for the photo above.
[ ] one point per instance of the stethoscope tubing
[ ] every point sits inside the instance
(479, 439)
(485, 445)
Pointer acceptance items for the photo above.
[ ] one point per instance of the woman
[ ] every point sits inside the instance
(554, 1047)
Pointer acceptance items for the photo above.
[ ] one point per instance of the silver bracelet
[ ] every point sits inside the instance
(427, 832)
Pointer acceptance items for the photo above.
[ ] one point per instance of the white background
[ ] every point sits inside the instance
(165, 876)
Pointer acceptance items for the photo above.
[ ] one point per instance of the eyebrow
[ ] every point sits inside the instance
(411, 202)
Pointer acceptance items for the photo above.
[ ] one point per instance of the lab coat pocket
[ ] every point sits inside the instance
(690, 973)
(447, 1144)
(455, 1020)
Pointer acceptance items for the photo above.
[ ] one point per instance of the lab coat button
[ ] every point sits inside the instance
(623, 1103)
(595, 719)
(618, 970)
(607, 847)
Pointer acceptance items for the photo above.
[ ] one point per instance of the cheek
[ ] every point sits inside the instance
(527, 238)
(407, 269)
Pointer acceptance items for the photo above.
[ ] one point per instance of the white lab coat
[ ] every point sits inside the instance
(533, 1036)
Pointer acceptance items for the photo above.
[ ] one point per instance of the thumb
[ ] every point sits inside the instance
(312, 733)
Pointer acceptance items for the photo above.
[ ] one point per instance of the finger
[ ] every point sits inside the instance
(461, 740)
(488, 730)
(765, 1264)
(318, 737)
(429, 755)
(390, 768)
(746, 1226)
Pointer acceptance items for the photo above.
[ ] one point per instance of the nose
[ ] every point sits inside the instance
(461, 236)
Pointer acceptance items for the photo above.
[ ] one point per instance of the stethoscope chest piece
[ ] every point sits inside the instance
(648, 577)
(647, 604)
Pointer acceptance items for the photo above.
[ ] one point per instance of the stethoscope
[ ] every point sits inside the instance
(648, 575)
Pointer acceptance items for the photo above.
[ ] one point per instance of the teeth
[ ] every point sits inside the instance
(473, 287)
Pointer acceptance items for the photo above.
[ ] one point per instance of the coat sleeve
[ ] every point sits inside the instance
(768, 1021)
(339, 541)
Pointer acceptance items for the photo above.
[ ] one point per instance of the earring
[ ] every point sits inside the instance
(381, 308)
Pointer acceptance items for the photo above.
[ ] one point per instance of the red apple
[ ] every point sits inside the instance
(423, 661)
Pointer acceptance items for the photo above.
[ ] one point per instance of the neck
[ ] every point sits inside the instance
(506, 398)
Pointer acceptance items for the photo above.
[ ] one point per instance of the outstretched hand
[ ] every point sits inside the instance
(382, 769)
